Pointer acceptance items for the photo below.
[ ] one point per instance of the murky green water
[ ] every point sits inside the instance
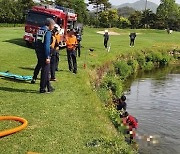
(154, 99)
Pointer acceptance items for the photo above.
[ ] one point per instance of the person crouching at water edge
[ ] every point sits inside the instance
(106, 38)
(71, 43)
(55, 39)
(132, 39)
(120, 103)
(131, 124)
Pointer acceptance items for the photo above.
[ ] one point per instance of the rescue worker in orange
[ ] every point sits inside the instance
(58, 37)
(71, 44)
(55, 40)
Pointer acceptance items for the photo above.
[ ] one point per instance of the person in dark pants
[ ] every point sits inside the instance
(132, 39)
(57, 48)
(38, 66)
(53, 64)
(42, 45)
(53, 59)
(79, 39)
(54, 48)
(57, 60)
(106, 38)
(71, 43)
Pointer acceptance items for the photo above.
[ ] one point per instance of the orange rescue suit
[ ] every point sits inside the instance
(55, 41)
(71, 42)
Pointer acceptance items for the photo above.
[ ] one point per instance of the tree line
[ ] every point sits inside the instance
(167, 16)
(103, 15)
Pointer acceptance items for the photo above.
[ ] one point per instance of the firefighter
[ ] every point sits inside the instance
(43, 41)
(58, 40)
(79, 38)
(71, 43)
(56, 53)
(55, 39)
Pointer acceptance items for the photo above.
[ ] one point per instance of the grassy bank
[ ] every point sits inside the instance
(111, 79)
(72, 119)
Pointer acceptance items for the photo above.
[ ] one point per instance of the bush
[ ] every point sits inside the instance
(104, 94)
(123, 69)
(156, 56)
(165, 60)
(134, 65)
(113, 84)
(149, 57)
(141, 60)
(149, 66)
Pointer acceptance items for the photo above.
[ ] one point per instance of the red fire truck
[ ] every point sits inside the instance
(64, 17)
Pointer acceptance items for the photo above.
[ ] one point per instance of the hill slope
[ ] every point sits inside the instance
(140, 5)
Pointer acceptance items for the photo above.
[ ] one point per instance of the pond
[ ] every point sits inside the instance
(154, 99)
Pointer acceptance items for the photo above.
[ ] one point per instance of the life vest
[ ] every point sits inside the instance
(71, 42)
(55, 40)
(39, 41)
(58, 38)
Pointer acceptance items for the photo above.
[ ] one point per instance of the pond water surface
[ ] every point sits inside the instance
(154, 99)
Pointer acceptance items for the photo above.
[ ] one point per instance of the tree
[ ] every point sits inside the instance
(123, 22)
(113, 18)
(105, 5)
(148, 19)
(168, 9)
(108, 18)
(135, 19)
(24, 6)
(65, 3)
(81, 9)
(79, 6)
(104, 19)
(99, 5)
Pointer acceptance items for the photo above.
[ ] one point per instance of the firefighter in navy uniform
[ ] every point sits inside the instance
(42, 47)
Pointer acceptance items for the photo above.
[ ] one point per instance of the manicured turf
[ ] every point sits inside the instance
(64, 121)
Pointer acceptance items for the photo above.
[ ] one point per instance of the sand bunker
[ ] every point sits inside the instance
(115, 33)
(110, 33)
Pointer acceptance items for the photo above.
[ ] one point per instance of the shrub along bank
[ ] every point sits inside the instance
(111, 77)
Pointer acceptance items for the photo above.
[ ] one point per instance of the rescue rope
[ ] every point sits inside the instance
(13, 130)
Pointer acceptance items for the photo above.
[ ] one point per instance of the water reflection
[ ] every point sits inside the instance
(153, 98)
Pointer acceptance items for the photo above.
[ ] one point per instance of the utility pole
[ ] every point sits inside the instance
(146, 5)
(145, 14)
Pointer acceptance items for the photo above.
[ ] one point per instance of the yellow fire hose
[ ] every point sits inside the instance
(13, 130)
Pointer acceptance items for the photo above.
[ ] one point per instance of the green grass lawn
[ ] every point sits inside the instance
(64, 121)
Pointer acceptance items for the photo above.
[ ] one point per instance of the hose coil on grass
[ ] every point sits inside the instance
(13, 130)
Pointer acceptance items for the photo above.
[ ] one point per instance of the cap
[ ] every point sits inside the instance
(57, 27)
